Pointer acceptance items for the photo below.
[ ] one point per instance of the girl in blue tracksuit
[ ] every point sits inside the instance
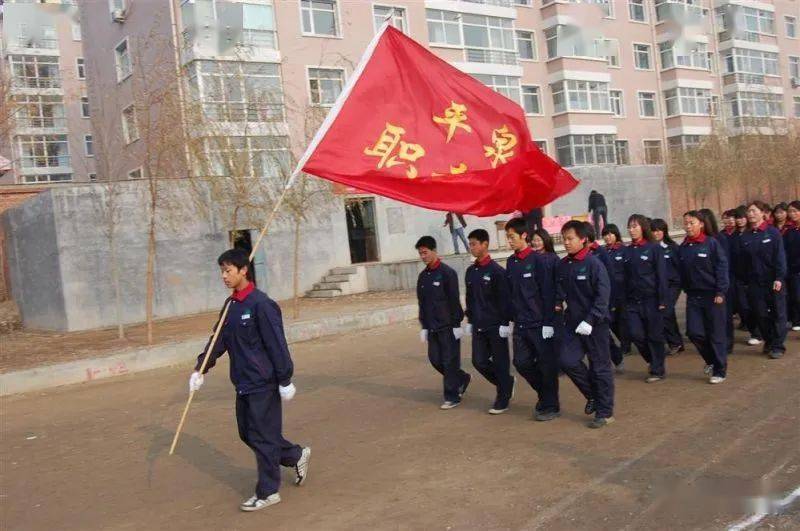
(646, 295)
(705, 277)
(765, 263)
(672, 332)
(616, 252)
(791, 242)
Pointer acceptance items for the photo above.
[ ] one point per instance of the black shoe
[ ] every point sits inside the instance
(538, 407)
(775, 355)
(590, 407)
(499, 407)
(463, 388)
(544, 416)
(598, 423)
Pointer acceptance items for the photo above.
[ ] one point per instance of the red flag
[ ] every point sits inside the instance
(411, 127)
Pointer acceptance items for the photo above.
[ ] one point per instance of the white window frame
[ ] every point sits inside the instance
(533, 43)
(123, 5)
(796, 102)
(80, 67)
(621, 102)
(308, 83)
(643, 5)
(89, 113)
(404, 17)
(661, 151)
(760, 15)
(650, 57)
(543, 141)
(793, 62)
(655, 104)
(618, 141)
(337, 14)
(121, 78)
(790, 21)
(538, 97)
(511, 87)
(441, 21)
(88, 140)
(126, 133)
(76, 32)
(619, 53)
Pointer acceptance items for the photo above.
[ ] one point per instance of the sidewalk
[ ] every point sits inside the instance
(31, 360)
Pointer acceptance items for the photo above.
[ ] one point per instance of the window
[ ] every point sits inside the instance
(76, 32)
(622, 151)
(647, 104)
(84, 107)
(506, 85)
(39, 111)
(582, 150)
(443, 27)
(530, 100)
(641, 56)
(755, 104)
(488, 39)
(687, 101)
(572, 95)
(114, 5)
(797, 106)
(130, 131)
(759, 21)
(526, 45)
(652, 152)
(636, 10)
(609, 48)
(81, 68)
(319, 17)
(542, 145)
(523, 3)
(254, 156)
(325, 84)
(92, 177)
(43, 151)
(746, 61)
(696, 56)
(122, 59)
(398, 18)
(794, 67)
(258, 26)
(551, 38)
(35, 71)
(791, 26)
(684, 142)
(88, 145)
(617, 105)
(238, 91)
(135, 174)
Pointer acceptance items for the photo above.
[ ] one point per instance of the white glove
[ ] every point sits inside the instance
(287, 392)
(548, 332)
(504, 331)
(195, 381)
(458, 333)
(468, 329)
(584, 329)
(423, 336)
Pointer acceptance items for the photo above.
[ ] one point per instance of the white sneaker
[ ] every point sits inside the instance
(301, 468)
(753, 341)
(708, 370)
(716, 380)
(796, 328)
(449, 405)
(255, 504)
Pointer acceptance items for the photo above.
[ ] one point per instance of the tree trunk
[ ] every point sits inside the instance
(115, 277)
(151, 254)
(296, 269)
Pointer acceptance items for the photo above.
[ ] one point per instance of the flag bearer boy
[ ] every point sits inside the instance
(488, 313)
(533, 289)
(583, 294)
(261, 370)
(440, 315)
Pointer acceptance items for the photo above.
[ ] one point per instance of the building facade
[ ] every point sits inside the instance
(47, 134)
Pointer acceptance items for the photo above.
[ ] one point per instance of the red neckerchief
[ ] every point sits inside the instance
(523, 254)
(594, 246)
(580, 255)
(700, 238)
(435, 265)
(730, 231)
(241, 295)
(762, 226)
(638, 243)
(614, 246)
(484, 262)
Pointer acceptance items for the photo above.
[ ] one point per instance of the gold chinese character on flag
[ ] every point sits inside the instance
(503, 142)
(390, 139)
(454, 117)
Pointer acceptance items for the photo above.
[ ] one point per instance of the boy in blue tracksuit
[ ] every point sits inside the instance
(488, 313)
(440, 315)
(583, 295)
(765, 261)
(261, 370)
(705, 278)
(533, 287)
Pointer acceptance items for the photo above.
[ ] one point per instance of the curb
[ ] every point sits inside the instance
(143, 359)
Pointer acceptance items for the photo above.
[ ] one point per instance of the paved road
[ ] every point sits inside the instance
(683, 454)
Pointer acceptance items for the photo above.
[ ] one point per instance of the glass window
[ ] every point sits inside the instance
(258, 26)
(797, 106)
(551, 38)
(623, 152)
(325, 84)
(88, 144)
(319, 17)
(397, 19)
(526, 45)
(530, 100)
(647, 104)
(542, 145)
(443, 27)
(81, 68)
(652, 152)
(791, 26)
(581, 150)
(84, 107)
(43, 151)
(636, 10)
(76, 32)
(35, 71)
(40, 111)
(122, 59)
(617, 105)
(641, 56)
(794, 67)
(130, 129)
(239, 91)
(759, 21)
(506, 85)
(580, 96)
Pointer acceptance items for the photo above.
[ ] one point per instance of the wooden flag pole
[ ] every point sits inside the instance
(221, 321)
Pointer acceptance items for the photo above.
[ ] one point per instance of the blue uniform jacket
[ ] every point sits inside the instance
(791, 241)
(673, 259)
(439, 302)
(764, 255)
(646, 273)
(617, 274)
(254, 339)
(488, 296)
(532, 278)
(704, 267)
(730, 242)
(584, 286)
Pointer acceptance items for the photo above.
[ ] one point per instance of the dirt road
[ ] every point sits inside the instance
(682, 455)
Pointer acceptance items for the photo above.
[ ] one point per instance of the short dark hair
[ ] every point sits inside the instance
(479, 234)
(795, 204)
(740, 212)
(546, 238)
(729, 213)
(429, 242)
(780, 206)
(518, 225)
(590, 232)
(237, 258)
(761, 205)
(578, 226)
(612, 229)
(644, 222)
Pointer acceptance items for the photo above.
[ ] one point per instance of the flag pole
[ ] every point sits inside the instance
(221, 321)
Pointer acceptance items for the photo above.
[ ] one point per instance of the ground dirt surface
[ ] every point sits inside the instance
(683, 454)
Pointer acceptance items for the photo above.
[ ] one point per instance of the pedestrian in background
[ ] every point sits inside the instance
(672, 332)
(598, 210)
(457, 233)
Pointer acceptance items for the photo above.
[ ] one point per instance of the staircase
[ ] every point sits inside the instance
(340, 281)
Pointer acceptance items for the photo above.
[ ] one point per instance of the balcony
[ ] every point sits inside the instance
(44, 161)
(37, 44)
(41, 122)
(680, 12)
(244, 112)
(499, 3)
(36, 82)
(264, 39)
(745, 79)
(497, 57)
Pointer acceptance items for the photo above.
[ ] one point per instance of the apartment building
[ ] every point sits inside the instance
(48, 135)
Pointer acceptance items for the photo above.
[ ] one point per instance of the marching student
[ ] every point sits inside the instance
(646, 295)
(616, 251)
(729, 238)
(597, 250)
(584, 289)
(748, 321)
(792, 245)
(440, 315)
(672, 332)
(533, 287)
(711, 222)
(704, 271)
(765, 261)
(261, 371)
(780, 218)
(542, 243)
(488, 314)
